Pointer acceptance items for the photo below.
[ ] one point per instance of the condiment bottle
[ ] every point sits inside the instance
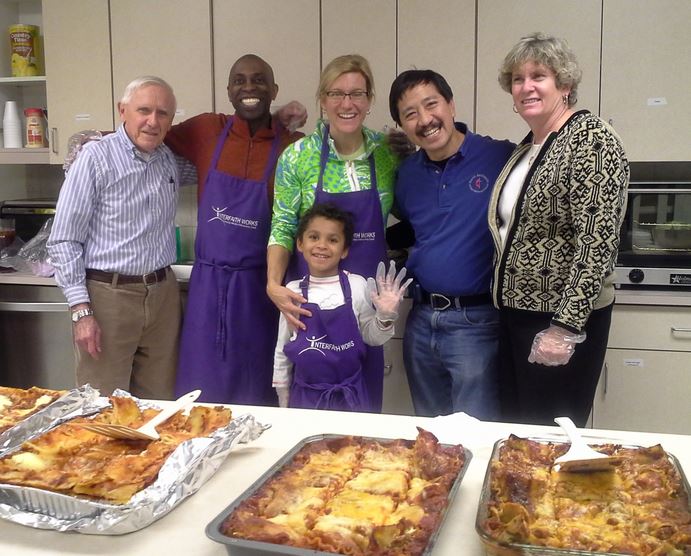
(35, 128)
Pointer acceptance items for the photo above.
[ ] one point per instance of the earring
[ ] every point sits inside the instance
(515, 110)
(369, 112)
(565, 99)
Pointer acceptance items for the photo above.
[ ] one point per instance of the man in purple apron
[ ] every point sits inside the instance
(363, 257)
(230, 325)
(328, 357)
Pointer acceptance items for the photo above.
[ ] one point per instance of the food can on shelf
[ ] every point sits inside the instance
(35, 128)
(24, 50)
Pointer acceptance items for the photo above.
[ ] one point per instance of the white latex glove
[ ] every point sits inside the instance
(554, 346)
(387, 291)
(75, 142)
(283, 395)
(292, 116)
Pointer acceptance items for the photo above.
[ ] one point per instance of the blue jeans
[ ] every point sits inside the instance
(451, 359)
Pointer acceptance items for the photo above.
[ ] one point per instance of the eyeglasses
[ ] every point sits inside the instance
(355, 96)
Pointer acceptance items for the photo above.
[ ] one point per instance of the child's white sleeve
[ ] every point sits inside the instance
(372, 331)
(283, 367)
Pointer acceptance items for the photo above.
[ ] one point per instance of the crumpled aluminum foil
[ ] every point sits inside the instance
(74, 403)
(190, 465)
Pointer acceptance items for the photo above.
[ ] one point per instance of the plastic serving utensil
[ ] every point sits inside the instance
(580, 457)
(148, 430)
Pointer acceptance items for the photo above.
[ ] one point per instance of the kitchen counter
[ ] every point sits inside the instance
(182, 530)
(182, 273)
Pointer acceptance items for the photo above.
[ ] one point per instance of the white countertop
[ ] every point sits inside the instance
(182, 273)
(182, 530)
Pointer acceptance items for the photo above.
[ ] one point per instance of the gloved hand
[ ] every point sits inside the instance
(283, 395)
(75, 142)
(292, 116)
(387, 291)
(554, 346)
(399, 142)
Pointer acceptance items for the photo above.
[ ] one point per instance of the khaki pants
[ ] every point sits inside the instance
(140, 329)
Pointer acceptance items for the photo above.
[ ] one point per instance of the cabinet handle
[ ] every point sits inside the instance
(53, 140)
(606, 371)
(679, 329)
(388, 369)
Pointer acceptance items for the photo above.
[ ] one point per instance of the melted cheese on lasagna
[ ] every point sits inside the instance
(71, 460)
(640, 507)
(17, 404)
(353, 495)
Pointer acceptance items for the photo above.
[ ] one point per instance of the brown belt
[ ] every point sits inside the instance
(115, 278)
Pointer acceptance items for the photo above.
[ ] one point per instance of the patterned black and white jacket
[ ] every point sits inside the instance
(562, 240)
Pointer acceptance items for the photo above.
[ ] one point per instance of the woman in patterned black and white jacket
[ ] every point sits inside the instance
(555, 216)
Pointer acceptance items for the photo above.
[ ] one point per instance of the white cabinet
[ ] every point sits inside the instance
(285, 34)
(646, 76)
(646, 382)
(501, 23)
(444, 44)
(78, 70)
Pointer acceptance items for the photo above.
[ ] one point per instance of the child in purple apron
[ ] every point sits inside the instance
(322, 367)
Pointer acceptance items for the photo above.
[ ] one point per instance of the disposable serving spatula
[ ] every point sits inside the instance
(580, 457)
(148, 430)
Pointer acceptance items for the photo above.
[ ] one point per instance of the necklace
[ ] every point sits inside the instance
(533, 152)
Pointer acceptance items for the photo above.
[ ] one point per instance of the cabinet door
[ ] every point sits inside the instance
(646, 76)
(397, 398)
(501, 23)
(444, 44)
(645, 391)
(369, 29)
(285, 34)
(77, 54)
(169, 39)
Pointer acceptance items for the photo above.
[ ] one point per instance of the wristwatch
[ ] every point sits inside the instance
(80, 314)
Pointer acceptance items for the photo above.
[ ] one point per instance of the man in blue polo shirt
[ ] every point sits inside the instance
(451, 342)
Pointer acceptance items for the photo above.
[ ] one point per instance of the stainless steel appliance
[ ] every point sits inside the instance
(35, 326)
(655, 247)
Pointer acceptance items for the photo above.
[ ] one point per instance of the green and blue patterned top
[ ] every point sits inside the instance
(297, 175)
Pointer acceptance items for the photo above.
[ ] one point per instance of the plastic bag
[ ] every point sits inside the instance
(32, 257)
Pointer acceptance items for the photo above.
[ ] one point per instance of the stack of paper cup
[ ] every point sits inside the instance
(12, 126)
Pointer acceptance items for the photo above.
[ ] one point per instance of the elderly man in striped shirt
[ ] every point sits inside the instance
(112, 243)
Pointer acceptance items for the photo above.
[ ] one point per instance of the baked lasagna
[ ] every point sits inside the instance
(353, 495)
(72, 460)
(640, 507)
(16, 404)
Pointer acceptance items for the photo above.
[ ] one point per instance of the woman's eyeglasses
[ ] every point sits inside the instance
(339, 96)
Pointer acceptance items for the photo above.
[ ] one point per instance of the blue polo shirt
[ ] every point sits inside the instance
(447, 208)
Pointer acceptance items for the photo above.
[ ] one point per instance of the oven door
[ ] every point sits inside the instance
(655, 245)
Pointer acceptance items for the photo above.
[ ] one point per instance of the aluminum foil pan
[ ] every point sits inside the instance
(74, 403)
(189, 466)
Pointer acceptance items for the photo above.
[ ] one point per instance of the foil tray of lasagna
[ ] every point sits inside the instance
(334, 494)
(641, 507)
(184, 469)
(26, 413)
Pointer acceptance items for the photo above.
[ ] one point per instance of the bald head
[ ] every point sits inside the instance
(251, 89)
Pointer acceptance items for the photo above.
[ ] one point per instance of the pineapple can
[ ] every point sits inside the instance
(24, 50)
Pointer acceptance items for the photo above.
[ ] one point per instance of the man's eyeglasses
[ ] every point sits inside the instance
(355, 96)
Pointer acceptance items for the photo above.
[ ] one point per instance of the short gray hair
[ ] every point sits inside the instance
(549, 51)
(146, 81)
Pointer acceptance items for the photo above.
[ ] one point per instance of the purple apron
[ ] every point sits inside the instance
(368, 248)
(328, 356)
(230, 327)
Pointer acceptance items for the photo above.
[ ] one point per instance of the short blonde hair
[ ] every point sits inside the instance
(348, 63)
(549, 51)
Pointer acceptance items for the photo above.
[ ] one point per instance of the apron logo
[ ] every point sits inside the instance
(316, 344)
(478, 183)
(233, 220)
(364, 236)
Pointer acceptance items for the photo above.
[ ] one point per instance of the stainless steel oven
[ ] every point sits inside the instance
(655, 247)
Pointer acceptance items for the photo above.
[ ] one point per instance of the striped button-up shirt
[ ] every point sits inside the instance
(115, 212)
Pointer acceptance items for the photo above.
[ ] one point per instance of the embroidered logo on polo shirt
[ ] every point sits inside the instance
(316, 344)
(478, 183)
(233, 220)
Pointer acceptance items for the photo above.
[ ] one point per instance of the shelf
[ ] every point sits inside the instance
(23, 80)
(25, 156)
